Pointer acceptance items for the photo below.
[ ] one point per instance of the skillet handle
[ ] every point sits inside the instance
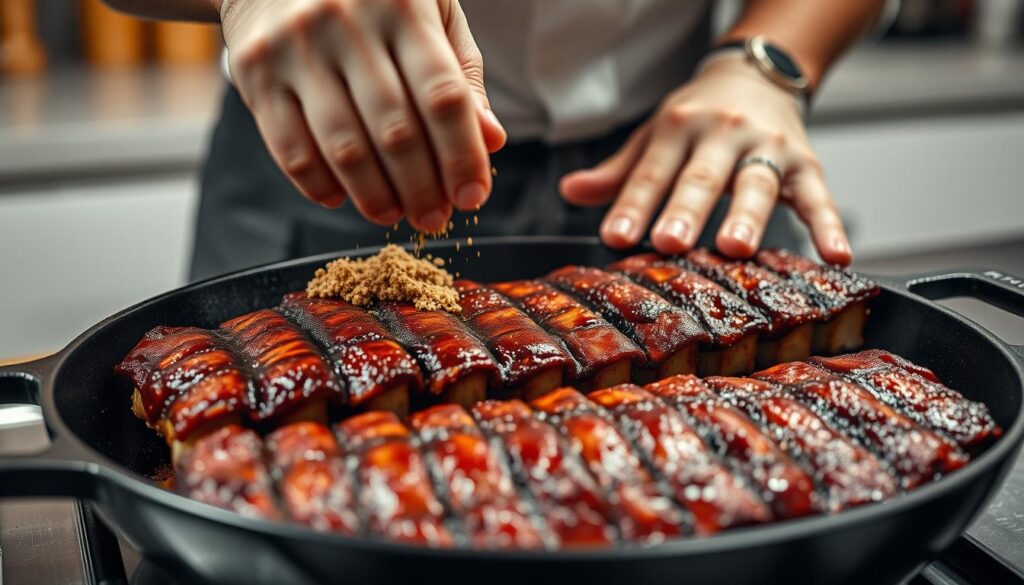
(992, 286)
(63, 467)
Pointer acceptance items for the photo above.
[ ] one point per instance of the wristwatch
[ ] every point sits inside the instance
(769, 59)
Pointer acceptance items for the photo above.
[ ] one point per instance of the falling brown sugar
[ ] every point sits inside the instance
(391, 275)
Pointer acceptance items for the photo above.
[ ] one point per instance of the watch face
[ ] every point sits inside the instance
(782, 62)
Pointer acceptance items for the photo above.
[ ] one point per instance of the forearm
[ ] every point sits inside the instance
(195, 10)
(814, 32)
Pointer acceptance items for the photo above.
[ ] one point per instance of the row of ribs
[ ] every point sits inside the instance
(641, 319)
(624, 464)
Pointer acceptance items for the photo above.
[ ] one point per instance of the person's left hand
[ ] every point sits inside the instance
(688, 152)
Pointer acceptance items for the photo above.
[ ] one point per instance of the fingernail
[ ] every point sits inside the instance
(470, 196)
(391, 215)
(622, 226)
(743, 233)
(841, 245)
(432, 221)
(489, 114)
(676, 229)
(332, 201)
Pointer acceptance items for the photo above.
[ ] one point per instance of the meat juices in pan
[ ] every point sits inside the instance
(732, 323)
(916, 392)
(915, 453)
(568, 498)
(530, 360)
(395, 496)
(186, 382)
(294, 381)
(474, 481)
(456, 365)
(643, 513)
(378, 373)
(603, 356)
(668, 335)
(700, 482)
(790, 312)
(225, 468)
(850, 475)
(843, 296)
(315, 485)
(783, 484)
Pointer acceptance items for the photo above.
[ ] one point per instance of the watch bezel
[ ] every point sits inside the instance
(757, 49)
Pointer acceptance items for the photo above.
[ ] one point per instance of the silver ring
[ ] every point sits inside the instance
(760, 160)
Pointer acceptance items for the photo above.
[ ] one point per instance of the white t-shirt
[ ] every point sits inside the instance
(564, 70)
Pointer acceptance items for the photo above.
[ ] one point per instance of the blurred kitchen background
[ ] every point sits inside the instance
(104, 121)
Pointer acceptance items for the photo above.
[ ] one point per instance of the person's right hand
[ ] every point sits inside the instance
(378, 101)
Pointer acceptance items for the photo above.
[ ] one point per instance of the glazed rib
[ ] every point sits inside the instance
(603, 356)
(530, 360)
(787, 488)
(668, 335)
(732, 323)
(842, 296)
(294, 381)
(647, 516)
(914, 452)
(225, 468)
(474, 481)
(916, 392)
(456, 365)
(396, 497)
(377, 371)
(716, 497)
(567, 496)
(186, 382)
(850, 474)
(790, 312)
(314, 483)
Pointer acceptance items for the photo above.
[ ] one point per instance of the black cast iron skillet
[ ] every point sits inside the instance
(102, 453)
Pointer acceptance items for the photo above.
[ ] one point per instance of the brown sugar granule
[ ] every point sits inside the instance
(390, 275)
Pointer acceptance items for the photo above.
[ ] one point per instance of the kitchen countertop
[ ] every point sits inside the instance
(86, 122)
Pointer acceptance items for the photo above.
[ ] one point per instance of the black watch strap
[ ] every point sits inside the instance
(772, 61)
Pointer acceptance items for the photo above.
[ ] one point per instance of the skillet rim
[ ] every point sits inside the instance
(101, 468)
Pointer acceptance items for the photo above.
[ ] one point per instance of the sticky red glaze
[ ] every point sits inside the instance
(833, 288)
(915, 453)
(911, 389)
(724, 315)
(479, 489)
(569, 499)
(787, 488)
(521, 348)
(290, 370)
(851, 475)
(783, 304)
(225, 468)
(446, 350)
(395, 490)
(366, 356)
(658, 327)
(592, 341)
(700, 482)
(614, 463)
(186, 376)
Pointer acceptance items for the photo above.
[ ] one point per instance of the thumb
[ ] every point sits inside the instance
(472, 63)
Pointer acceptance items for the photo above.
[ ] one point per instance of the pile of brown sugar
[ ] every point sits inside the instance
(391, 275)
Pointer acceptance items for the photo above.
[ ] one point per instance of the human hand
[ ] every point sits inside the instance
(688, 152)
(380, 101)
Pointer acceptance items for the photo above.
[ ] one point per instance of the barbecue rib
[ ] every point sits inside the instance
(603, 356)
(732, 323)
(530, 360)
(456, 364)
(668, 335)
(378, 373)
(474, 481)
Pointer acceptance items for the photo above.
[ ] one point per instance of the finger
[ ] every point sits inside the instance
(394, 128)
(599, 185)
(343, 143)
(445, 103)
(812, 202)
(627, 220)
(697, 190)
(754, 193)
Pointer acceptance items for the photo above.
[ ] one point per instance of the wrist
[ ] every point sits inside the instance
(735, 65)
